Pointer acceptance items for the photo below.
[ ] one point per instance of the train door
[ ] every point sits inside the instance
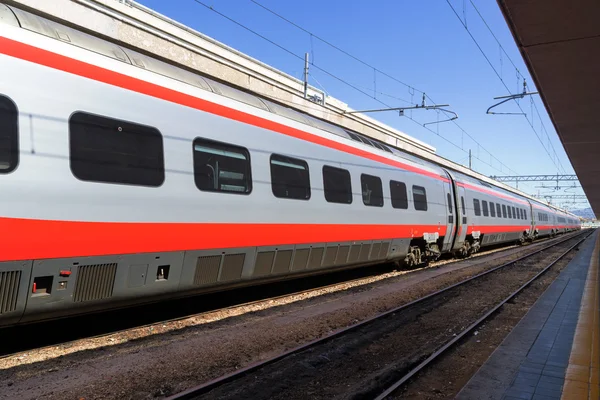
(453, 215)
(450, 219)
(462, 222)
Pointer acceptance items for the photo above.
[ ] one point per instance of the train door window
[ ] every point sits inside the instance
(337, 185)
(503, 211)
(498, 210)
(492, 210)
(485, 208)
(372, 190)
(398, 195)
(419, 198)
(221, 167)
(514, 213)
(509, 212)
(449, 198)
(9, 135)
(462, 205)
(476, 207)
(108, 150)
(289, 178)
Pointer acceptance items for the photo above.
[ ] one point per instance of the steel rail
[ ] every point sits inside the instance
(472, 327)
(210, 385)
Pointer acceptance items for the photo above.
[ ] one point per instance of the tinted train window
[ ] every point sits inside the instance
(398, 194)
(372, 191)
(289, 178)
(449, 202)
(337, 186)
(498, 210)
(492, 210)
(509, 212)
(114, 151)
(476, 207)
(503, 211)
(420, 198)
(462, 204)
(515, 216)
(485, 208)
(221, 167)
(522, 214)
(9, 135)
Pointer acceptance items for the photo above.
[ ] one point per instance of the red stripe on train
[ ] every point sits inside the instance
(26, 239)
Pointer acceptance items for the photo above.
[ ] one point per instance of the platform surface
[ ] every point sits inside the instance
(552, 354)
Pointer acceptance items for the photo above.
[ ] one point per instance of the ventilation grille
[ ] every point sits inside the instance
(233, 264)
(264, 261)
(94, 282)
(384, 250)
(9, 288)
(342, 255)
(354, 251)
(375, 251)
(300, 259)
(316, 255)
(364, 252)
(207, 270)
(330, 254)
(282, 261)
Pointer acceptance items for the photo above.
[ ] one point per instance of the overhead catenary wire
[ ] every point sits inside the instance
(411, 88)
(555, 160)
(358, 89)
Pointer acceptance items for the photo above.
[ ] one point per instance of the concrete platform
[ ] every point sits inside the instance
(553, 353)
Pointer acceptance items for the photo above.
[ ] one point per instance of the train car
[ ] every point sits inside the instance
(126, 180)
(495, 215)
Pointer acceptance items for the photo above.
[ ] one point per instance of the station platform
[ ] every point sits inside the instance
(553, 353)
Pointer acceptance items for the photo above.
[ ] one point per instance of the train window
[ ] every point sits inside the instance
(509, 212)
(514, 213)
(492, 210)
(476, 207)
(221, 167)
(9, 135)
(398, 194)
(462, 204)
(337, 186)
(485, 208)
(372, 191)
(503, 211)
(449, 203)
(522, 213)
(498, 210)
(108, 150)
(289, 178)
(419, 198)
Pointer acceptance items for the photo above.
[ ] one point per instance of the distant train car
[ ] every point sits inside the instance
(128, 180)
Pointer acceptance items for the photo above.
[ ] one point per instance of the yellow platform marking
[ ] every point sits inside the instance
(583, 372)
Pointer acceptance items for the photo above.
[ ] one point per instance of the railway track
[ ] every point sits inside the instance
(60, 332)
(376, 357)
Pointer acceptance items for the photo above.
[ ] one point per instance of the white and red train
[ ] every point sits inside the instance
(125, 179)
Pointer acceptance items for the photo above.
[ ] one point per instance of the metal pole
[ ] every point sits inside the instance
(470, 159)
(305, 75)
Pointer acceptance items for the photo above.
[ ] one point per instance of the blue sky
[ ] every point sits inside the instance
(421, 43)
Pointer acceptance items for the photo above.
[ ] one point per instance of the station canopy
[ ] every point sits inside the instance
(560, 43)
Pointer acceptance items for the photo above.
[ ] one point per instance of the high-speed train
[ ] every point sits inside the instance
(126, 179)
